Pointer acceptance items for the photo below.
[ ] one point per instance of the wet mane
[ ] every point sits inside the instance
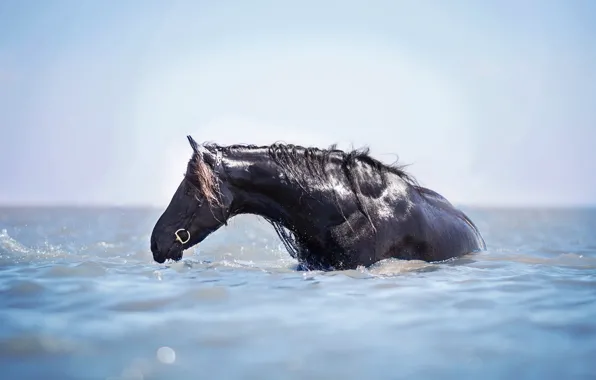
(300, 161)
(314, 160)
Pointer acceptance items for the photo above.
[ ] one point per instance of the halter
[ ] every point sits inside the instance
(178, 238)
(218, 160)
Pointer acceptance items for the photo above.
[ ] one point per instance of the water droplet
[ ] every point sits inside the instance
(166, 355)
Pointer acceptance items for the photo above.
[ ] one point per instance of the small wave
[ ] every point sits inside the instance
(228, 262)
(213, 293)
(21, 288)
(13, 251)
(392, 267)
(10, 245)
(569, 259)
(142, 305)
(84, 269)
(36, 344)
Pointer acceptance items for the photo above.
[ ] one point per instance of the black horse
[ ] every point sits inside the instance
(332, 209)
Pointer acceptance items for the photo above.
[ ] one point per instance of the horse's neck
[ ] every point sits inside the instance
(262, 188)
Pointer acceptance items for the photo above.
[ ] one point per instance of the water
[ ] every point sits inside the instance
(82, 299)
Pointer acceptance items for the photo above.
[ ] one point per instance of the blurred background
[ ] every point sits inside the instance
(491, 102)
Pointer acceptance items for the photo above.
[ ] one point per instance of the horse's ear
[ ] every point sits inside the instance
(204, 153)
(193, 144)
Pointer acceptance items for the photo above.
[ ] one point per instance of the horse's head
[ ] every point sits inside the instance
(200, 205)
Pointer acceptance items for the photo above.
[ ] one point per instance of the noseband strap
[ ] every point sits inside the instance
(178, 238)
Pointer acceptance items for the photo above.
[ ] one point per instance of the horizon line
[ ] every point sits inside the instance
(128, 205)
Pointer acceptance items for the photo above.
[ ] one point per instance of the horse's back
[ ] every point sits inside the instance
(450, 231)
(433, 196)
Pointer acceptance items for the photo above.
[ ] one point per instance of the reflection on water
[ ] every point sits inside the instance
(82, 299)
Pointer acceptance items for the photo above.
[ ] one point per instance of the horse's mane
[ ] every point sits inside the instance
(311, 163)
(314, 160)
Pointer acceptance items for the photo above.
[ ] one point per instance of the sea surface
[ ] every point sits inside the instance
(81, 298)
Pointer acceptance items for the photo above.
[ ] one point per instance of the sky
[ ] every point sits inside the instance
(489, 102)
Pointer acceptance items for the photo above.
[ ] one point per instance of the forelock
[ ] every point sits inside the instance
(201, 176)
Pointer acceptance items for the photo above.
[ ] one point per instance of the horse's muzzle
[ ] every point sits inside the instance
(174, 252)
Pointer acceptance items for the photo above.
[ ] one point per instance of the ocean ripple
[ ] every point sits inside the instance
(82, 298)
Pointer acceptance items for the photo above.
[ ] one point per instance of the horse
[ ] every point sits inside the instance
(332, 209)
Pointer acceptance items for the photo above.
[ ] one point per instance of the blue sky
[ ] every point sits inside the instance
(491, 102)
